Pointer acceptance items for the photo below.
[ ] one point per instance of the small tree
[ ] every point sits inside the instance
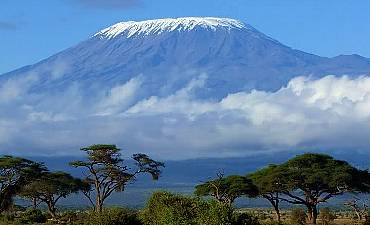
(51, 187)
(15, 172)
(270, 186)
(106, 172)
(226, 190)
(359, 207)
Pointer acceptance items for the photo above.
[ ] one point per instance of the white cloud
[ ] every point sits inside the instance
(332, 113)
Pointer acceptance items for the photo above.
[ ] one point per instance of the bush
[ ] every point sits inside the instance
(298, 216)
(32, 216)
(164, 208)
(326, 216)
(113, 216)
(73, 218)
(6, 217)
(367, 219)
(245, 219)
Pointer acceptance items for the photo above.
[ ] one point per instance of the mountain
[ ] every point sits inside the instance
(182, 89)
(168, 53)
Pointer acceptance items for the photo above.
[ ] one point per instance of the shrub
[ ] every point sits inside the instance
(113, 216)
(213, 213)
(164, 208)
(32, 216)
(245, 219)
(326, 216)
(367, 219)
(73, 218)
(298, 216)
(6, 217)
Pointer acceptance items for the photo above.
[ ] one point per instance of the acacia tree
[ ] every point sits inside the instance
(15, 172)
(51, 187)
(311, 179)
(269, 183)
(107, 174)
(226, 190)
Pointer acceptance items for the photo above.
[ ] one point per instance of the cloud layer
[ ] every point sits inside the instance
(329, 114)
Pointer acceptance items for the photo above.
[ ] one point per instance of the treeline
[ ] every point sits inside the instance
(307, 180)
(104, 171)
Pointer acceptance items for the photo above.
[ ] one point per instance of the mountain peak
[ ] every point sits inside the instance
(144, 28)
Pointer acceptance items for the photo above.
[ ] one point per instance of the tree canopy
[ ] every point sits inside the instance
(269, 183)
(15, 172)
(52, 186)
(227, 189)
(311, 179)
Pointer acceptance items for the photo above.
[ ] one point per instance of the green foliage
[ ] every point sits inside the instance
(113, 216)
(298, 216)
(311, 171)
(268, 179)
(326, 216)
(245, 219)
(50, 187)
(15, 172)
(213, 213)
(6, 218)
(164, 208)
(73, 217)
(227, 189)
(32, 216)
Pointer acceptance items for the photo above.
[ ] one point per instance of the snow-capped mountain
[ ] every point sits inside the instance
(168, 53)
(184, 88)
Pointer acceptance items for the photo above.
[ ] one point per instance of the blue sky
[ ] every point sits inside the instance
(33, 30)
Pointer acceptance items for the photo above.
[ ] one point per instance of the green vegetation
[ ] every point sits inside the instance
(226, 190)
(306, 180)
(50, 187)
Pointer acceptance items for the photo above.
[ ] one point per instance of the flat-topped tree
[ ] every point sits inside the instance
(106, 172)
(50, 187)
(227, 189)
(311, 179)
(15, 172)
(269, 183)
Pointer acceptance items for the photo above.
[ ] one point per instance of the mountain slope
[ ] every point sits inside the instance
(168, 53)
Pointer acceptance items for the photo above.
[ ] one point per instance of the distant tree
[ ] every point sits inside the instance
(359, 206)
(51, 187)
(270, 186)
(106, 172)
(311, 179)
(15, 172)
(227, 189)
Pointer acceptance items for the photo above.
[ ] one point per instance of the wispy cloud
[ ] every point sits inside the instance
(8, 26)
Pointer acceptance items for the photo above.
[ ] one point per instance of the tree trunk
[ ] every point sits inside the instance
(314, 214)
(309, 213)
(34, 203)
(277, 213)
(52, 210)
(99, 205)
